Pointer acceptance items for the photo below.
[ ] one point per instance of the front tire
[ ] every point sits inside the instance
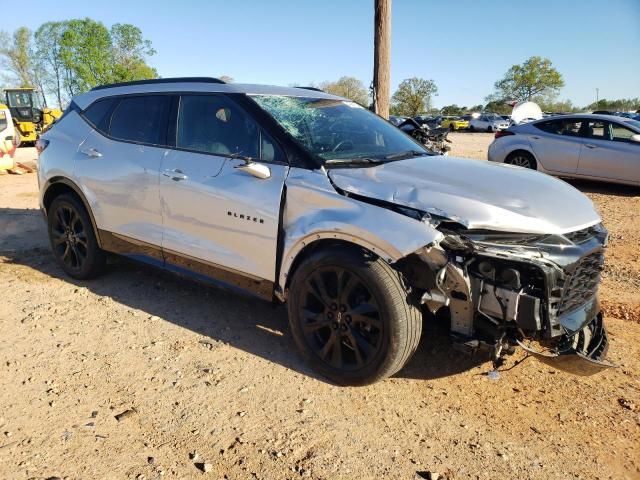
(73, 240)
(350, 316)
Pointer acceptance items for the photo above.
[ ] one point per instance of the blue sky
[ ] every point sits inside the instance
(463, 45)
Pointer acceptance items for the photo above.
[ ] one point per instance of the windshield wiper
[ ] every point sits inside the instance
(353, 161)
(406, 154)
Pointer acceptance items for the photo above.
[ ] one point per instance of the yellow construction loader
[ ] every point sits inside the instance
(29, 119)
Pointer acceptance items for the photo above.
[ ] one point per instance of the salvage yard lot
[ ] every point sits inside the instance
(212, 373)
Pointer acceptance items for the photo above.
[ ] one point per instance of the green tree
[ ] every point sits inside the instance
(413, 96)
(622, 105)
(129, 50)
(348, 87)
(15, 53)
(475, 108)
(47, 40)
(85, 52)
(499, 107)
(452, 110)
(534, 78)
(226, 78)
(565, 106)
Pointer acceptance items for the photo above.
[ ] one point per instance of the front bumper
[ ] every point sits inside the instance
(582, 353)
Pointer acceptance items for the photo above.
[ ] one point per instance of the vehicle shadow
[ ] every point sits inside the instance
(244, 322)
(593, 186)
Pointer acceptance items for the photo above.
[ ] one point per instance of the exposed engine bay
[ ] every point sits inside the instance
(503, 290)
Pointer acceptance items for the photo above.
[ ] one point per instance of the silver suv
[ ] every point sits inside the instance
(309, 199)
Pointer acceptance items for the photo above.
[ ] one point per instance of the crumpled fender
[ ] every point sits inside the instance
(314, 211)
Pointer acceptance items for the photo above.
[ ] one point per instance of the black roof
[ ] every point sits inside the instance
(160, 80)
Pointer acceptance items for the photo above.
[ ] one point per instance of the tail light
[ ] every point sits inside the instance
(503, 133)
(41, 144)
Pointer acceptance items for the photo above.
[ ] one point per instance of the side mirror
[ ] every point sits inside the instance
(635, 138)
(258, 170)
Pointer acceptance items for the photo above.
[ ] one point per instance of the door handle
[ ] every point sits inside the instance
(91, 153)
(175, 174)
(535, 138)
(589, 145)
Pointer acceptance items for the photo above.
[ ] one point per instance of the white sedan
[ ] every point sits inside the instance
(489, 122)
(598, 147)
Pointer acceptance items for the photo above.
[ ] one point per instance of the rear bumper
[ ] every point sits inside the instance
(581, 353)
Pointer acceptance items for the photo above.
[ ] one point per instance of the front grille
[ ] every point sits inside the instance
(582, 284)
(583, 235)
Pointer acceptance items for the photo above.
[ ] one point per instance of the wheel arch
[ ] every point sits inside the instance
(56, 186)
(522, 149)
(310, 244)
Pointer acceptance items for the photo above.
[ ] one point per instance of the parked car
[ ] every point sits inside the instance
(489, 122)
(429, 121)
(308, 199)
(454, 123)
(601, 147)
(7, 138)
(396, 120)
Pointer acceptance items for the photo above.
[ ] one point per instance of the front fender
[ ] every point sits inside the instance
(314, 211)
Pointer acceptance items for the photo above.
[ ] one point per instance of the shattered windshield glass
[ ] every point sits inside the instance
(338, 129)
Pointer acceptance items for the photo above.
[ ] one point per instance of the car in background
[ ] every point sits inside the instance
(489, 122)
(396, 120)
(598, 147)
(454, 123)
(430, 121)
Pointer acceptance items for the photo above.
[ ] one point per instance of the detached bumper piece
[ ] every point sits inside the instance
(581, 353)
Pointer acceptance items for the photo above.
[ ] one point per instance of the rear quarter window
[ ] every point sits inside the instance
(97, 112)
(3, 121)
(141, 119)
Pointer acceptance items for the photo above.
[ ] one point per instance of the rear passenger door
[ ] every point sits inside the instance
(556, 144)
(217, 217)
(608, 152)
(119, 164)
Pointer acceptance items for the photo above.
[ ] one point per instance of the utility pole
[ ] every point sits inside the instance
(597, 98)
(382, 57)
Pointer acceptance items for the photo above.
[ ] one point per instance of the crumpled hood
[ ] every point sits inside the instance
(475, 193)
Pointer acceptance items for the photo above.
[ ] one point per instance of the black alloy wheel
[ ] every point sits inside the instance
(340, 318)
(72, 238)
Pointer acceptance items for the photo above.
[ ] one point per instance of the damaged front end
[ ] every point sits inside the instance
(503, 290)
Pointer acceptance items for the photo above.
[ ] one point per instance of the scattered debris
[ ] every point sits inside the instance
(628, 404)
(127, 413)
(205, 467)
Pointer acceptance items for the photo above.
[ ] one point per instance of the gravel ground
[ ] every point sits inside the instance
(142, 375)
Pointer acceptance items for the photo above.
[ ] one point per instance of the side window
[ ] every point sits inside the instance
(141, 119)
(569, 127)
(215, 124)
(597, 129)
(97, 112)
(618, 133)
(3, 121)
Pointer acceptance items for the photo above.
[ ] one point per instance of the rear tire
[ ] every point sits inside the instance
(350, 316)
(72, 238)
(489, 129)
(452, 128)
(523, 159)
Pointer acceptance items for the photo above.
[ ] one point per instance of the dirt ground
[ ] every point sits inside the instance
(143, 375)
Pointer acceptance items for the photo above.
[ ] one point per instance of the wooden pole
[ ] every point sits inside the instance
(382, 57)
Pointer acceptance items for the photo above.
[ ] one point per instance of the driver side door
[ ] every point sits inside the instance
(219, 220)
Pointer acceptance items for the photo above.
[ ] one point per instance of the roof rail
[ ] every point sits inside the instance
(160, 80)
(315, 89)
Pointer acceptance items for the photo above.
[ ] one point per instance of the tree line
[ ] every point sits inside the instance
(63, 59)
